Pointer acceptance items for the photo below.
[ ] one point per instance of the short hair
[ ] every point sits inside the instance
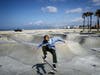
(46, 36)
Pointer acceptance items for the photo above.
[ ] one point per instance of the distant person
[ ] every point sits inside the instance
(48, 45)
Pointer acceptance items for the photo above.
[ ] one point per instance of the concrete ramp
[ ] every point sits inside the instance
(18, 53)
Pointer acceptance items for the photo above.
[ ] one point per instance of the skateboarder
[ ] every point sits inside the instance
(48, 45)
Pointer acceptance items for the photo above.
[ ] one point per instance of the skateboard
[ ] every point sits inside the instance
(50, 67)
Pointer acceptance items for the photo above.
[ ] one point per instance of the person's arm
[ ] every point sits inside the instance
(42, 44)
(59, 39)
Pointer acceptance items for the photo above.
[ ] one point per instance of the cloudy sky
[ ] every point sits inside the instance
(24, 13)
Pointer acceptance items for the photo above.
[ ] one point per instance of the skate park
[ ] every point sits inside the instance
(79, 55)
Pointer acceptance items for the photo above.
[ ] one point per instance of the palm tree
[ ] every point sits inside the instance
(89, 15)
(97, 13)
(83, 16)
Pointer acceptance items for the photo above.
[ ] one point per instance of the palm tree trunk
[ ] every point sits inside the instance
(90, 22)
(98, 24)
(83, 24)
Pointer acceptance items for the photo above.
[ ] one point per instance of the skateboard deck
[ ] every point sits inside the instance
(50, 73)
(49, 65)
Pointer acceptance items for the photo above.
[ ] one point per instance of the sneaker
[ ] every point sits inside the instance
(55, 69)
(43, 62)
(51, 72)
(54, 65)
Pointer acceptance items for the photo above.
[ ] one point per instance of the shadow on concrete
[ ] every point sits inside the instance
(0, 65)
(40, 68)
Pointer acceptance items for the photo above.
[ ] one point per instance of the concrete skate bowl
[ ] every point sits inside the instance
(27, 38)
(18, 54)
(18, 57)
(19, 42)
(76, 44)
(24, 47)
(83, 42)
(92, 45)
(91, 42)
(21, 47)
(86, 41)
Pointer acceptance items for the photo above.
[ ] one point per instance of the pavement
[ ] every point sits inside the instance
(18, 54)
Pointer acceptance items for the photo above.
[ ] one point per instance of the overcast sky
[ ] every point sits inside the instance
(21, 13)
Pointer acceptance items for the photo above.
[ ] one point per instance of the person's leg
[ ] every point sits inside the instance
(53, 52)
(44, 50)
